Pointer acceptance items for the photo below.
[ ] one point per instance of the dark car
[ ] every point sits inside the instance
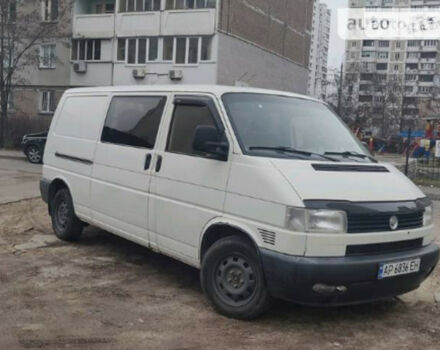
(33, 146)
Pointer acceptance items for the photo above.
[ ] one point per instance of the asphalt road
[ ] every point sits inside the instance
(19, 180)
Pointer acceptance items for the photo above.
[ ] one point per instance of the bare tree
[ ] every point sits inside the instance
(387, 93)
(23, 26)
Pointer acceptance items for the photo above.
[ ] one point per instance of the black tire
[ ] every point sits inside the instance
(34, 154)
(232, 277)
(65, 224)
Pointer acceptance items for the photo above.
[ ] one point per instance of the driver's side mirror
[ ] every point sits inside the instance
(209, 140)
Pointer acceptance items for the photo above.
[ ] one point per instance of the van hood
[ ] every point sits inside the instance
(342, 182)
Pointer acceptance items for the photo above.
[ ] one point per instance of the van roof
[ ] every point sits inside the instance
(214, 89)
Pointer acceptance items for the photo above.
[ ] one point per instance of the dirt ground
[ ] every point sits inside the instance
(107, 293)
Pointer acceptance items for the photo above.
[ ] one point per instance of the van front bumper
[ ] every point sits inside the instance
(350, 280)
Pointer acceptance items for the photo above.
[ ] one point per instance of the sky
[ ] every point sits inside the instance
(337, 45)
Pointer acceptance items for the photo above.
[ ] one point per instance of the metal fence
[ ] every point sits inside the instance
(425, 171)
(423, 162)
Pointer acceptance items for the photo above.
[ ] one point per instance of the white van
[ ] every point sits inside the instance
(267, 192)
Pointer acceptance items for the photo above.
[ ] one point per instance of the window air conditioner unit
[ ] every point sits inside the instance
(80, 67)
(139, 73)
(176, 74)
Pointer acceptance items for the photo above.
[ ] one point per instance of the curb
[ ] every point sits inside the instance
(3, 156)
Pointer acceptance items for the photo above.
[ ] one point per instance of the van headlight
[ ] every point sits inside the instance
(316, 220)
(428, 216)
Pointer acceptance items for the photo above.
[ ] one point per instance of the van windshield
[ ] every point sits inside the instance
(279, 126)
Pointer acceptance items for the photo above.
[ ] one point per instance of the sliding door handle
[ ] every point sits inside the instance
(158, 163)
(147, 162)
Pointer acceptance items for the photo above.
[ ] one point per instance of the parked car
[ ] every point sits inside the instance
(33, 146)
(266, 192)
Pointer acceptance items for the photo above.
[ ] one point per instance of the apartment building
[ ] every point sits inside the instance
(44, 71)
(126, 42)
(317, 84)
(233, 42)
(413, 66)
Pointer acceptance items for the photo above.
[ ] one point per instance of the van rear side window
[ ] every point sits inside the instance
(82, 117)
(133, 120)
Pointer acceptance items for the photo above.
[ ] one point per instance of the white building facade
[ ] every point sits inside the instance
(135, 42)
(317, 83)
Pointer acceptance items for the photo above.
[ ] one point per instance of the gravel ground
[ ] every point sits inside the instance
(107, 293)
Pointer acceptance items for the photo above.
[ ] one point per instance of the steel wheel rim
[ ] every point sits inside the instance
(34, 154)
(62, 215)
(235, 280)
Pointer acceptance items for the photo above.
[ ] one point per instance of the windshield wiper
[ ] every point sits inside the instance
(291, 150)
(352, 154)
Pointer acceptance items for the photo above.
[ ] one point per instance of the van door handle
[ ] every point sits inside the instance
(147, 162)
(158, 163)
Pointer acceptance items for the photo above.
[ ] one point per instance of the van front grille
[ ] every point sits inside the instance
(381, 248)
(358, 223)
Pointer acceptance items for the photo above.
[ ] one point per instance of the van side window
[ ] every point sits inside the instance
(133, 120)
(183, 127)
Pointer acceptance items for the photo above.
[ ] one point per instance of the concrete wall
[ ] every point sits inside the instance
(281, 26)
(158, 73)
(242, 63)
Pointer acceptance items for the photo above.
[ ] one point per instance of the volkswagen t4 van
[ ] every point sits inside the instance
(266, 192)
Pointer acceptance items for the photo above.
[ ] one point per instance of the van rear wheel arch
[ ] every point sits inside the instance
(54, 187)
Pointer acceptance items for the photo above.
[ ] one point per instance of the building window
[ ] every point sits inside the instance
(180, 50)
(430, 43)
(168, 46)
(189, 4)
(396, 67)
(425, 89)
(138, 50)
(12, 11)
(428, 55)
(139, 5)
(368, 43)
(48, 56)
(411, 77)
(412, 55)
(206, 54)
(384, 43)
(47, 102)
(382, 55)
(49, 10)
(427, 66)
(382, 66)
(11, 105)
(413, 43)
(86, 50)
(105, 7)
(187, 50)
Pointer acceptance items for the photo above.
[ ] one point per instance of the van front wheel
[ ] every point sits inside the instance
(232, 278)
(64, 221)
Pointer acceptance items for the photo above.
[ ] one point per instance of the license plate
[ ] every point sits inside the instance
(398, 268)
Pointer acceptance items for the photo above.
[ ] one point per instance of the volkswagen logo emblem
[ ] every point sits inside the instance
(394, 222)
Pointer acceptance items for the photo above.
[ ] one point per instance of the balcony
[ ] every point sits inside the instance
(175, 22)
(93, 26)
(94, 19)
(138, 24)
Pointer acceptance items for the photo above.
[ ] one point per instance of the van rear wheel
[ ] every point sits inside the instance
(64, 221)
(232, 278)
